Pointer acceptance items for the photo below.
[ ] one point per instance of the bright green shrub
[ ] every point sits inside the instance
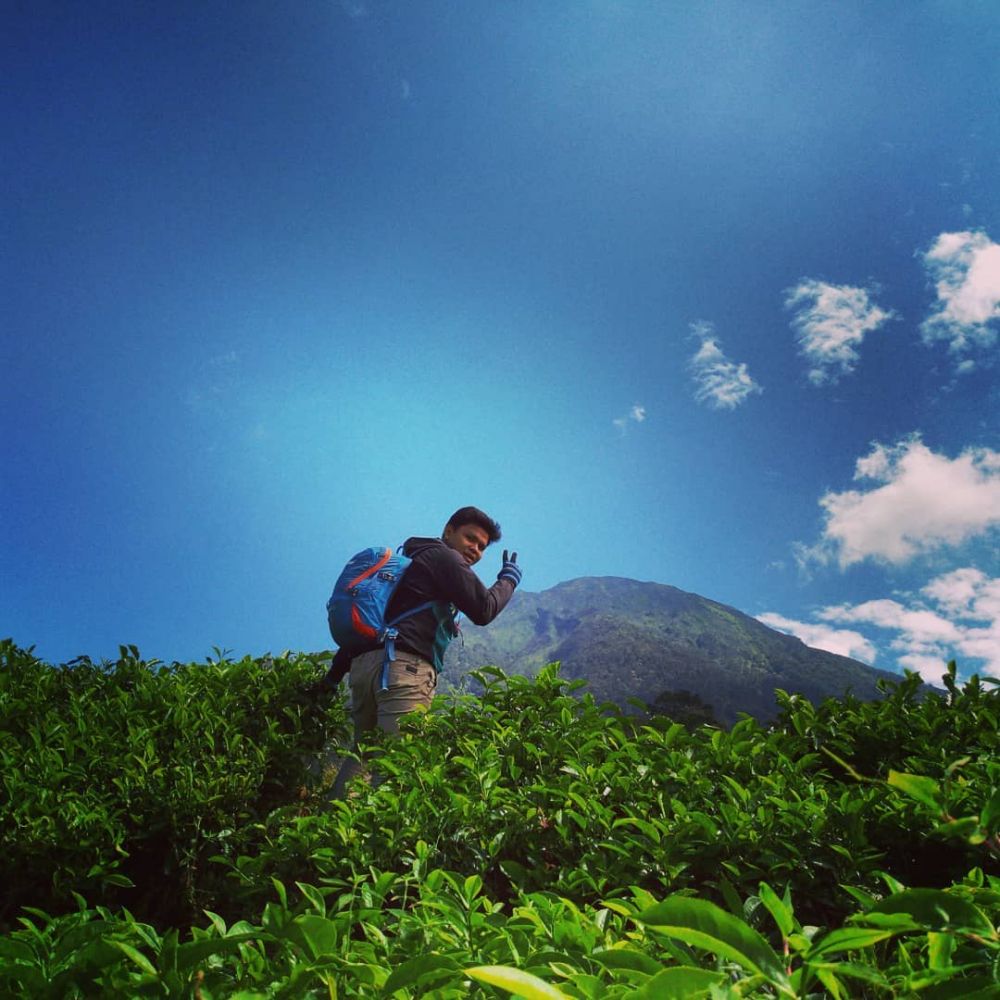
(528, 841)
(529, 787)
(135, 773)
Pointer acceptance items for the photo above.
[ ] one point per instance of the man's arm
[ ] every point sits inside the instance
(479, 603)
(339, 666)
(319, 691)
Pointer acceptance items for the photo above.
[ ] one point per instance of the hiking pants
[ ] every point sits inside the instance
(411, 686)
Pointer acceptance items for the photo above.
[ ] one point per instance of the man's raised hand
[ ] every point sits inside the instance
(510, 569)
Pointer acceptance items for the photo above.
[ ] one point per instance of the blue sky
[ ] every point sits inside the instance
(705, 294)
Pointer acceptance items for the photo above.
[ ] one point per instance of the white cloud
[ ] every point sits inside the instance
(721, 383)
(921, 501)
(923, 627)
(636, 415)
(957, 591)
(831, 322)
(844, 642)
(956, 617)
(965, 268)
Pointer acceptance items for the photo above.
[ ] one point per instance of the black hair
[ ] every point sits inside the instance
(473, 515)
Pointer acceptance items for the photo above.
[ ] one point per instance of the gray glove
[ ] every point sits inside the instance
(510, 569)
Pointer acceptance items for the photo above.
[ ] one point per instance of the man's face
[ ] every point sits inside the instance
(468, 540)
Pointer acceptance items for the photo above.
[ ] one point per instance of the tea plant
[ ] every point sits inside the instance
(532, 788)
(527, 842)
(121, 779)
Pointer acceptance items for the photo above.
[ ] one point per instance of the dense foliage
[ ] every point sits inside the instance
(166, 833)
(121, 780)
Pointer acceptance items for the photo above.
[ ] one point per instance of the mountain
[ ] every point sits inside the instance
(642, 640)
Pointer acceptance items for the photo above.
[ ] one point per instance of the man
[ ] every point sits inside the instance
(440, 572)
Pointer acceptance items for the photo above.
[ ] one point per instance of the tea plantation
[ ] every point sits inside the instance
(164, 832)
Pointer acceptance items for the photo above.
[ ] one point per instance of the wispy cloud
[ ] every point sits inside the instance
(966, 592)
(830, 322)
(965, 268)
(956, 616)
(719, 382)
(919, 501)
(844, 642)
(636, 415)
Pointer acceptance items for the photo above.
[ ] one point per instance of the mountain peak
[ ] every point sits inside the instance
(634, 639)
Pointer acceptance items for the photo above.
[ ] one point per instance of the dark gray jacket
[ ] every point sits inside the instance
(438, 573)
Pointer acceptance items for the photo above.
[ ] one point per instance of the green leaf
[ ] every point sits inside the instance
(855, 970)
(966, 828)
(936, 909)
(17, 951)
(777, 908)
(990, 815)
(833, 985)
(318, 934)
(472, 887)
(898, 923)
(730, 895)
(421, 969)
(940, 948)
(973, 988)
(194, 952)
(314, 896)
(279, 888)
(705, 925)
(925, 790)
(168, 951)
(642, 825)
(849, 939)
(120, 880)
(627, 958)
(217, 922)
(137, 956)
(843, 763)
(681, 982)
(520, 984)
(866, 899)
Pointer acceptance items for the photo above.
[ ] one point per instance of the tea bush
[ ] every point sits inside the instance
(533, 788)
(527, 842)
(121, 779)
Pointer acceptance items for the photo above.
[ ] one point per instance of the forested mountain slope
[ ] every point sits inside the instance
(628, 639)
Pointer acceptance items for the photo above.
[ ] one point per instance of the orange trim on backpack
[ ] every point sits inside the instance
(359, 626)
(387, 555)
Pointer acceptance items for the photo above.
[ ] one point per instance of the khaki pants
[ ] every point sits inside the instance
(411, 686)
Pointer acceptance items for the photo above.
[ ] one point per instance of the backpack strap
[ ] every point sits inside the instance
(390, 635)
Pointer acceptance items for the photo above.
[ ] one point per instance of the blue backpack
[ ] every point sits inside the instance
(356, 610)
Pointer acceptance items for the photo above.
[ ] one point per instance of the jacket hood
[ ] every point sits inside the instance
(414, 545)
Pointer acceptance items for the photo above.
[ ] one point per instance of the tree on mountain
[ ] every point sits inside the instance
(685, 707)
